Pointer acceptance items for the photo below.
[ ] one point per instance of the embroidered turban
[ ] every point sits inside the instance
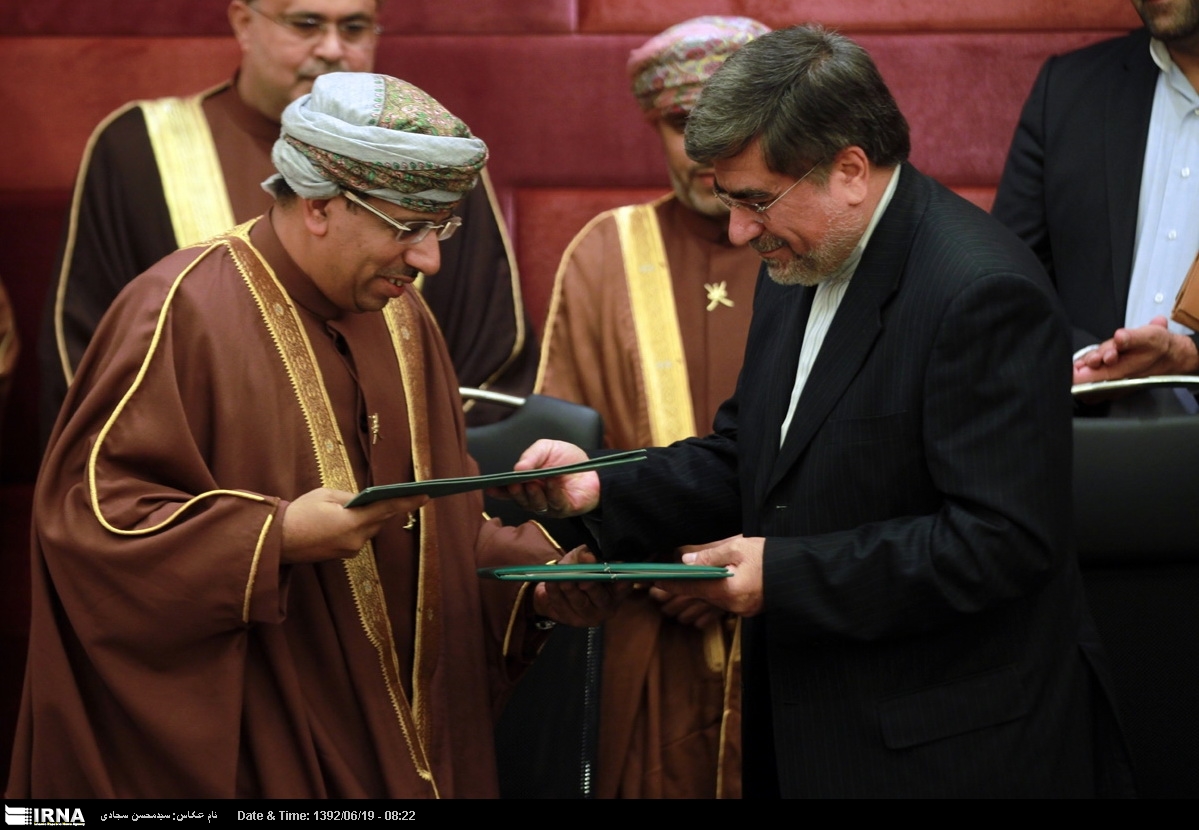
(671, 68)
(376, 135)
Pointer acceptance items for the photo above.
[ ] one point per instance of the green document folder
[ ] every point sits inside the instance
(449, 486)
(605, 572)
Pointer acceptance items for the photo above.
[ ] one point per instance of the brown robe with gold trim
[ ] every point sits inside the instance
(171, 653)
(121, 226)
(662, 697)
(590, 351)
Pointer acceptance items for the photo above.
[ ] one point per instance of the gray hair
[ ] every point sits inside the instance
(806, 94)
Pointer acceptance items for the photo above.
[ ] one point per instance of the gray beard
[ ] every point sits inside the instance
(818, 264)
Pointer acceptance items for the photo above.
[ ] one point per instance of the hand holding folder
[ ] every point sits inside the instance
(435, 488)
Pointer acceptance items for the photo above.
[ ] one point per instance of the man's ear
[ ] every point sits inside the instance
(851, 174)
(239, 20)
(316, 215)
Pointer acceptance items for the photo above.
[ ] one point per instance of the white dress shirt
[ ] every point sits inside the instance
(824, 306)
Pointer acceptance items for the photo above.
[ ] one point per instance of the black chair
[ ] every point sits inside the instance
(1137, 517)
(547, 736)
(496, 447)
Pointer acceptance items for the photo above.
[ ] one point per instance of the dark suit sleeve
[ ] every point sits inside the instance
(996, 440)
(684, 494)
(1020, 199)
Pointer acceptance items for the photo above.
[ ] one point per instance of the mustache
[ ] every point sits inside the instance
(764, 243)
(407, 271)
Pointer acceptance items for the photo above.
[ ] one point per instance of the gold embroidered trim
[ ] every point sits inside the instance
(192, 181)
(548, 536)
(403, 325)
(518, 305)
(515, 617)
(732, 701)
(94, 455)
(295, 351)
(714, 652)
(266, 528)
(60, 291)
(656, 323)
(68, 253)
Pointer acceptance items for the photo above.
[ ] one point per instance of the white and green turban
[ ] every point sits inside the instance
(380, 136)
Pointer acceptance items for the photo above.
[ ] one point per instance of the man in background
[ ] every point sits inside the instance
(647, 324)
(158, 175)
(1102, 181)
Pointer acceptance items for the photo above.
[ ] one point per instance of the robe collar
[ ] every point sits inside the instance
(244, 117)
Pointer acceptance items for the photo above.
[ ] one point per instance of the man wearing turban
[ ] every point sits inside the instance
(650, 311)
(166, 173)
(208, 619)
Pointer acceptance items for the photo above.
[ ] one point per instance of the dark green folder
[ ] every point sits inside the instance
(449, 486)
(605, 572)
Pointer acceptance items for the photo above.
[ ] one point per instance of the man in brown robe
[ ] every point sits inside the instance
(163, 174)
(208, 619)
(649, 316)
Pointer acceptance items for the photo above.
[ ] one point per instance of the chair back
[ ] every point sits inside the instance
(1136, 503)
(547, 736)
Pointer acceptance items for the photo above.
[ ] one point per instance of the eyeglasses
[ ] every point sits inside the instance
(355, 29)
(758, 210)
(410, 234)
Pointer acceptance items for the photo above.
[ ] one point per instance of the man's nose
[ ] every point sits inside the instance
(743, 226)
(425, 256)
(329, 46)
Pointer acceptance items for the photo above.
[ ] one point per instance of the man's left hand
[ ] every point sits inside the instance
(740, 593)
(1137, 353)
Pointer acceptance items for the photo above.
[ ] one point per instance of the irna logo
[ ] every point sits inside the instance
(43, 816)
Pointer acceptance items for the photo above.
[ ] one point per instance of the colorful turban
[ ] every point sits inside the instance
(380, 136)
(671, 68)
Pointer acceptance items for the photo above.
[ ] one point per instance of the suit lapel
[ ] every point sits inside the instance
(1126, 130)
(791, 304)
(857, 323)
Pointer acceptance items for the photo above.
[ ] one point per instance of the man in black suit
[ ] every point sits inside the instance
(1106, 142)
(890, 484)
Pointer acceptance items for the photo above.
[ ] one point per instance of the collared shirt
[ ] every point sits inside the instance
(825, 304)
(1167, 233)
(1167, 219)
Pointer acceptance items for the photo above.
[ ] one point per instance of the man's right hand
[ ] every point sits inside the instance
(687, 610)
(579, 604)
(558, 496)
(1138, 353)
(316, 526)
